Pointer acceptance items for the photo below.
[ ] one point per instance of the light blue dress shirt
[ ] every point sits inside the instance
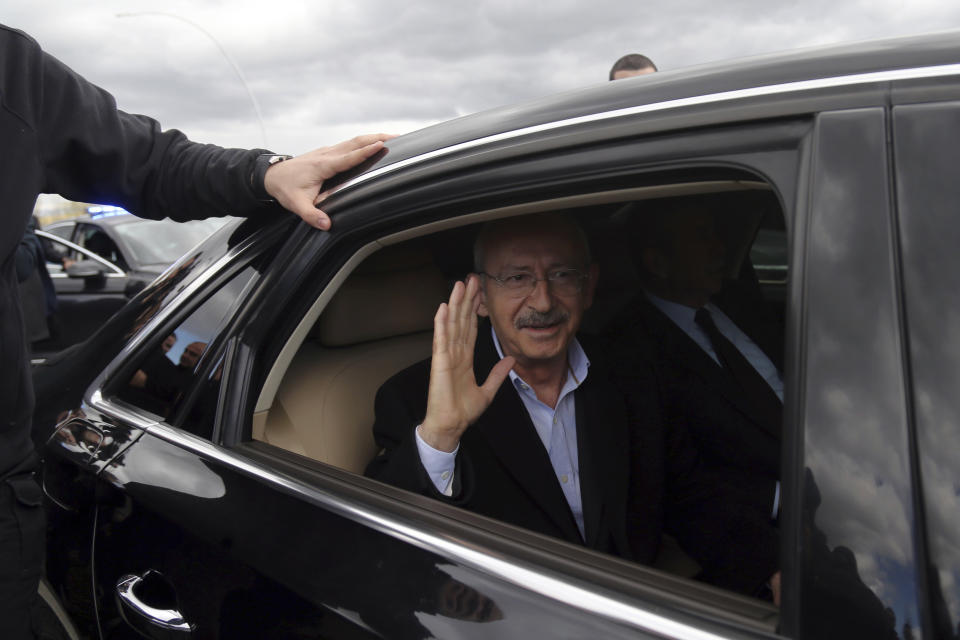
(557, 429)
(684, 317)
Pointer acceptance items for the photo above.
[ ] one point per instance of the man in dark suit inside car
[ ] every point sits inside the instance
(547, 441)
(715, 350)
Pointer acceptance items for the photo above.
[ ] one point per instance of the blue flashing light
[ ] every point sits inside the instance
(105, 211)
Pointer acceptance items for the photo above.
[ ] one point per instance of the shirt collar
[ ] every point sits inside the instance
(576, 359)
(679, 313)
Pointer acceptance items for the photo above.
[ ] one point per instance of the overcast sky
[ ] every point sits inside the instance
(324, 70)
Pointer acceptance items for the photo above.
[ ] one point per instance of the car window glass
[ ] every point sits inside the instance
(324, 407)
(61, 230)
(165, 375)
(97, 241)
(202, 412)
(62, 253)
(163, 241)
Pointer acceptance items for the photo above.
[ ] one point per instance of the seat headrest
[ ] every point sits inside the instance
(382, 304)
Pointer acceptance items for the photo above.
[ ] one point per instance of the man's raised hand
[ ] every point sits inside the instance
(455, 400)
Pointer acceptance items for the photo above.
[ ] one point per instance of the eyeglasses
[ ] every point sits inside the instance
(562, 282)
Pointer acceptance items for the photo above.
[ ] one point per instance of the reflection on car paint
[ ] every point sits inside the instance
(857, 503)
(169, 468)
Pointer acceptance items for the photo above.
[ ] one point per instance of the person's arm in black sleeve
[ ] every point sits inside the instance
(448, 398)
(737, 549)
(94, 152)
(91, 151)
(399, 406)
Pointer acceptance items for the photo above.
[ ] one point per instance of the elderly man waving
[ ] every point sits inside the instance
(516, 418)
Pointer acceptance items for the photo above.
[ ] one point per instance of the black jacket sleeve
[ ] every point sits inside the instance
(91, 151)
(395, 417)
(62, 134)
(736, 549)
(400, 406)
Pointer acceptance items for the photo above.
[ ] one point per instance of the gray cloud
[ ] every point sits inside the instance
(321, 70)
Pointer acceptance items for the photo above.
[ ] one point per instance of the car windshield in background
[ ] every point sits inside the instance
(163, 241)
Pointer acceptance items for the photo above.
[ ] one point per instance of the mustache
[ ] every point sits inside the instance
(539, 319)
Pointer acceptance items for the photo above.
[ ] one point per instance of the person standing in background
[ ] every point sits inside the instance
(630, 65)
(38, 298)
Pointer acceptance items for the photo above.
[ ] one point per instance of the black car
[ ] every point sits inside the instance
(229, 501)
(98, 261)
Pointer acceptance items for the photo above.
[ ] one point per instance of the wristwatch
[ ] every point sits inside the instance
(263, 162)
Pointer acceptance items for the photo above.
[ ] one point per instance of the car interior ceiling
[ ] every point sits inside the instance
(376, 317)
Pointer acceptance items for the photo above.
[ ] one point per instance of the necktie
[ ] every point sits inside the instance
(761, 396)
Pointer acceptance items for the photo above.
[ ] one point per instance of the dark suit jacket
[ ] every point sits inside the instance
(503, 469)
(698, 394)
(636, 478)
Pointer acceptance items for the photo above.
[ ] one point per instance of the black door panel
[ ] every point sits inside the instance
(928, 194)
(244, 556)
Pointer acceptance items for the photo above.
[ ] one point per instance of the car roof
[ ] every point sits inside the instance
(758, 78)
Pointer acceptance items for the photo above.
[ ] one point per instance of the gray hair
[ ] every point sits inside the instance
(496, 229)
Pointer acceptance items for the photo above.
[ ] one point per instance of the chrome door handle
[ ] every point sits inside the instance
(151, 621)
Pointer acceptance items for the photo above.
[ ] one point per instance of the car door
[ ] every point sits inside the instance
(215, 543)
(167, 516)
(502, 185)
(89, 290)
(215, 525)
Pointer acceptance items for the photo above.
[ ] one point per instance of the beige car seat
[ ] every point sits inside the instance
(378, 323)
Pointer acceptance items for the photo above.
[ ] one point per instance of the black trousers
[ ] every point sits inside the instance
(22, 532)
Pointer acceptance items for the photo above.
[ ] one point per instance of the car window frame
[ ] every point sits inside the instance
(113, 271)
(175, 312)
(782, 161)
(79, 237)
(682, 595)
(219, 348)
(496, 538)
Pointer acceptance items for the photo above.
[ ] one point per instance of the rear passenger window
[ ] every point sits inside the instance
(379, 321)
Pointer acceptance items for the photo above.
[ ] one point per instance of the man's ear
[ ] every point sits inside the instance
(593, 275)
(482, 310)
